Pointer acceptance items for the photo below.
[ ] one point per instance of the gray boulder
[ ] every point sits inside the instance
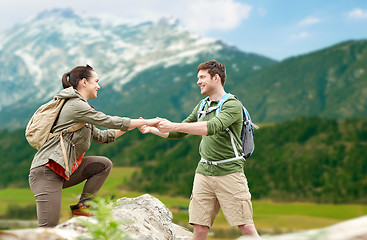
(144, 218)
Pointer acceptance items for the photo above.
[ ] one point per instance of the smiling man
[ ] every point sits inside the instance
(219, 181)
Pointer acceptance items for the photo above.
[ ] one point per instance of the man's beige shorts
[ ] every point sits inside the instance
(229, 192)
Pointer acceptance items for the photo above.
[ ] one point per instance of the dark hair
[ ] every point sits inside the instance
(214, 67)
(72, 78)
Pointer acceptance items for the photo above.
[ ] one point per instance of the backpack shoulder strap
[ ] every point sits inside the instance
(218, 108)
(221, 101)
(202, 104)
(200, 110)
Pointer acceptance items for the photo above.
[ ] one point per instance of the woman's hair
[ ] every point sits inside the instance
(72, 78)
(214, 67)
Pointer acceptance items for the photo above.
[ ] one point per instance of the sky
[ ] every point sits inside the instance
(274, 28)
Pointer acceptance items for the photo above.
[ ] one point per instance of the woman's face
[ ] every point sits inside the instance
(92, 85)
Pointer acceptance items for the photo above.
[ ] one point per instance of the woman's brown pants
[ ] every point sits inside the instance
(46, 186)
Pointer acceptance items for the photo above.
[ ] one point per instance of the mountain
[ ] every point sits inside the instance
(146, 69)
(331, 83)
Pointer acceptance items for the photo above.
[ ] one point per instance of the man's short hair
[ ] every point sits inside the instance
(214, 67)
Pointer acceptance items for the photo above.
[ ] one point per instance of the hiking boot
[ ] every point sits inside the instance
(81, 210)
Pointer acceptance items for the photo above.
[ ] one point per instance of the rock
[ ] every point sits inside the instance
(151, 219)
(181, 233)
(147, 219)
(354, 229)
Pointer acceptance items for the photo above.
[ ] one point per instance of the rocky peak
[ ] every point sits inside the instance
(57, 12)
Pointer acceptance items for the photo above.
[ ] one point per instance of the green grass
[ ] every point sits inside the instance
(15, 196)
(267, 214)
(337, 212)
(296, 216)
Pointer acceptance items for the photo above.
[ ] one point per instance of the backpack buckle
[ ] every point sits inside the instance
(208, 162)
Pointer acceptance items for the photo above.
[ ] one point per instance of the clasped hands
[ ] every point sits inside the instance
(157, 124)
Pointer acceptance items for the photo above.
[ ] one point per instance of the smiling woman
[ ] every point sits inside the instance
(85, 76)
(50, 171)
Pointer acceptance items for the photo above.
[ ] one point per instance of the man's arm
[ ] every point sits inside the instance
(196, 128)
(231, 112)
(173, 134)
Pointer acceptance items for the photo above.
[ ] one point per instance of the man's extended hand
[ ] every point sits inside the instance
(166, 126)
(153, 129)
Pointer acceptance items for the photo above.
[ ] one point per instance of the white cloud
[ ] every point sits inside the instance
(357, 14)
(198, 15)
(206, 15)
(309, 21)
(301, 35)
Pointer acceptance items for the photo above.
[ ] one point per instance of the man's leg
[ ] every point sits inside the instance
(200, 232)
(249, 230)
(235, 200)
(204, 206)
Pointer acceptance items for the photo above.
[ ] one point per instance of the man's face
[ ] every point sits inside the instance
(205, 82)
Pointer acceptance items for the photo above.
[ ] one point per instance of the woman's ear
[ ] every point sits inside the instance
(84, 82)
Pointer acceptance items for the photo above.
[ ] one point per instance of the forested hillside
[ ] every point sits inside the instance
(307, 159)
(330, 83)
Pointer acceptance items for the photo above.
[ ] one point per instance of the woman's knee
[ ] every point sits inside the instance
(108, 163)
(96, 166)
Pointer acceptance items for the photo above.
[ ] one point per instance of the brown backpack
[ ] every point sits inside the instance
(38, 129)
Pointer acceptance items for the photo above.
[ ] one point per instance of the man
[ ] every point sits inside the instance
(216, 185)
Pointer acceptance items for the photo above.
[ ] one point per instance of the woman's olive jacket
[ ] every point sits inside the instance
(75, 110)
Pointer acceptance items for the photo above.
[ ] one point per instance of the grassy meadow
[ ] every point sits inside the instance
(269, 217)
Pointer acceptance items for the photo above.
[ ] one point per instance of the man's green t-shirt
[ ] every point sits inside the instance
(217, 144)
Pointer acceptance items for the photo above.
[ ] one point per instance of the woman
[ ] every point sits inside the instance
(49, 170)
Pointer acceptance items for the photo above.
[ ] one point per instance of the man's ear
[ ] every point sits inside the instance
(217, 78)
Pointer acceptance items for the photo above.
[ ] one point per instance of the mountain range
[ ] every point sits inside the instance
(149, 69)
